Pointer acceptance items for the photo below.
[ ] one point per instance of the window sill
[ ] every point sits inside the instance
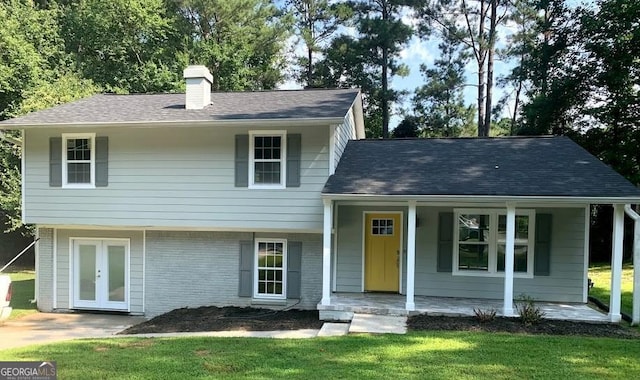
(79, 186)
(267, 187)
(269, 301)
(490, 274)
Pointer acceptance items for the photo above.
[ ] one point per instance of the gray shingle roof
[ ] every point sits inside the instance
(532, 166)
(141, 108)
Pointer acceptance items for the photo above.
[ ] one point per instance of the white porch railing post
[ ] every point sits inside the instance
(616, 263)
(326, 252)
(635, 314)
(507, 307)
(411, 256)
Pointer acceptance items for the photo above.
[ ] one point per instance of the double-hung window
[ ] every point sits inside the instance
(271, 268)
(267, 159)
(78, 160)
(480, 242)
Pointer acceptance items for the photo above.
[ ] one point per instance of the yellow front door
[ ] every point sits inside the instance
(382, 252)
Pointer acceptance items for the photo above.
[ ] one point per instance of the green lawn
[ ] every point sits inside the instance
(433, 355)
(23, 285)
(600, 274)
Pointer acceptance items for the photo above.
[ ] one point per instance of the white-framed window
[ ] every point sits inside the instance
(267, 159)
(480, 242)
(271, 268)
(78, 159)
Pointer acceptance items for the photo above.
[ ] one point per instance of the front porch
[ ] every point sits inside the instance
(344, 305)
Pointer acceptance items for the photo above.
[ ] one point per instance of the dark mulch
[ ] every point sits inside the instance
(211, 318)
(515, 325)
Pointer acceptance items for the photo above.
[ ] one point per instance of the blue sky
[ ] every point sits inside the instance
(415, 53)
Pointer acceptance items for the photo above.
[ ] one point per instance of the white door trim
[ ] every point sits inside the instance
(102, 302)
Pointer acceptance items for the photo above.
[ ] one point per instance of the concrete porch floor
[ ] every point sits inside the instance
(345, 304)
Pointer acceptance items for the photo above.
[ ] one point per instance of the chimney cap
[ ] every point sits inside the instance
(198, 71)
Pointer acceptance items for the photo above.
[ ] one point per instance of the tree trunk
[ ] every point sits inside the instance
(385, 80)
(490, 52)
(481, 55)
(310, 68)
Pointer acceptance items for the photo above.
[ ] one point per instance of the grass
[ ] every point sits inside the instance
(23, 286)
(434, 355)
(600, 274)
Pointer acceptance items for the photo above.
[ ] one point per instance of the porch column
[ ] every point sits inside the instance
(616, 263)
(507, 307)
(635, 314)
(411, 256)
(326, 253)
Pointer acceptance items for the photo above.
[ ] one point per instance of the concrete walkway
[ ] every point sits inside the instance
(378, 324)
(41, 328)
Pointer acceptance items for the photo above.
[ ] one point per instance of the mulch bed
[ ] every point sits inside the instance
(515, 325)
(211, 318)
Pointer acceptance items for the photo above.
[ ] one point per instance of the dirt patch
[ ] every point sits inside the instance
(514, 325)
(211, 318)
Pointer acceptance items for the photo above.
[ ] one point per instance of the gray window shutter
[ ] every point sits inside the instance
(445, 242)
(294, 269)
(294, 152)
(242, 161)
(542, 249)
(55, 161)
(245, 288)
(102, 161)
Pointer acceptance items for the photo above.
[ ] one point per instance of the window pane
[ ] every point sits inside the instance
(79, 172)
(473, 228)
(267, 172)
(270, 268)
(520, 258)
(78, 149)
(522, 229)
(473, 257)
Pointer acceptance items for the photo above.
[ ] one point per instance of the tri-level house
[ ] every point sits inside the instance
(147, 203)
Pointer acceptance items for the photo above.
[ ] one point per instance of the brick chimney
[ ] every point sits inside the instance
(199, 81)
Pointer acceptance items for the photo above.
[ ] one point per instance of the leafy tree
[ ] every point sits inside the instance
(439, 103)
(382, 35)
(408, 127)
(316, 21)
(125, 45)
(240, 41)
(475, 25)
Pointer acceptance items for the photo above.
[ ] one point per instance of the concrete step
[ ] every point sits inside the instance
(378, 324)
(334, 329)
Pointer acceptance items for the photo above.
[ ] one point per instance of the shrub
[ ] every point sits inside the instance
(530, 314)
(484, 316)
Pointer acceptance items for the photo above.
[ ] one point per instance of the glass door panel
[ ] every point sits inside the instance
(116, 264)
(87, 275)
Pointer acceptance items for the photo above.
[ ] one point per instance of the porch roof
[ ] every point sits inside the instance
(532, 168)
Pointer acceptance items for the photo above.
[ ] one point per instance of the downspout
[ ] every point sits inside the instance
(635, 315)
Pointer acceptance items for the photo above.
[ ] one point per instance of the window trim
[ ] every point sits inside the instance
(256, 277)
(283, 159)
(493, 243)
(65, 178)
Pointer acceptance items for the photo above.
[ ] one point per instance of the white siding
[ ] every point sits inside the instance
(176, 177)
(564, 284)
(191, 269)
(344, 132)
(65, 257)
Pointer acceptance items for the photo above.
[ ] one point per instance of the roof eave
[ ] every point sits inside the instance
(483, 198)
(190, 123)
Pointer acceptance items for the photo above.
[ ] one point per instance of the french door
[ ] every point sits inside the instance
(101, 274)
